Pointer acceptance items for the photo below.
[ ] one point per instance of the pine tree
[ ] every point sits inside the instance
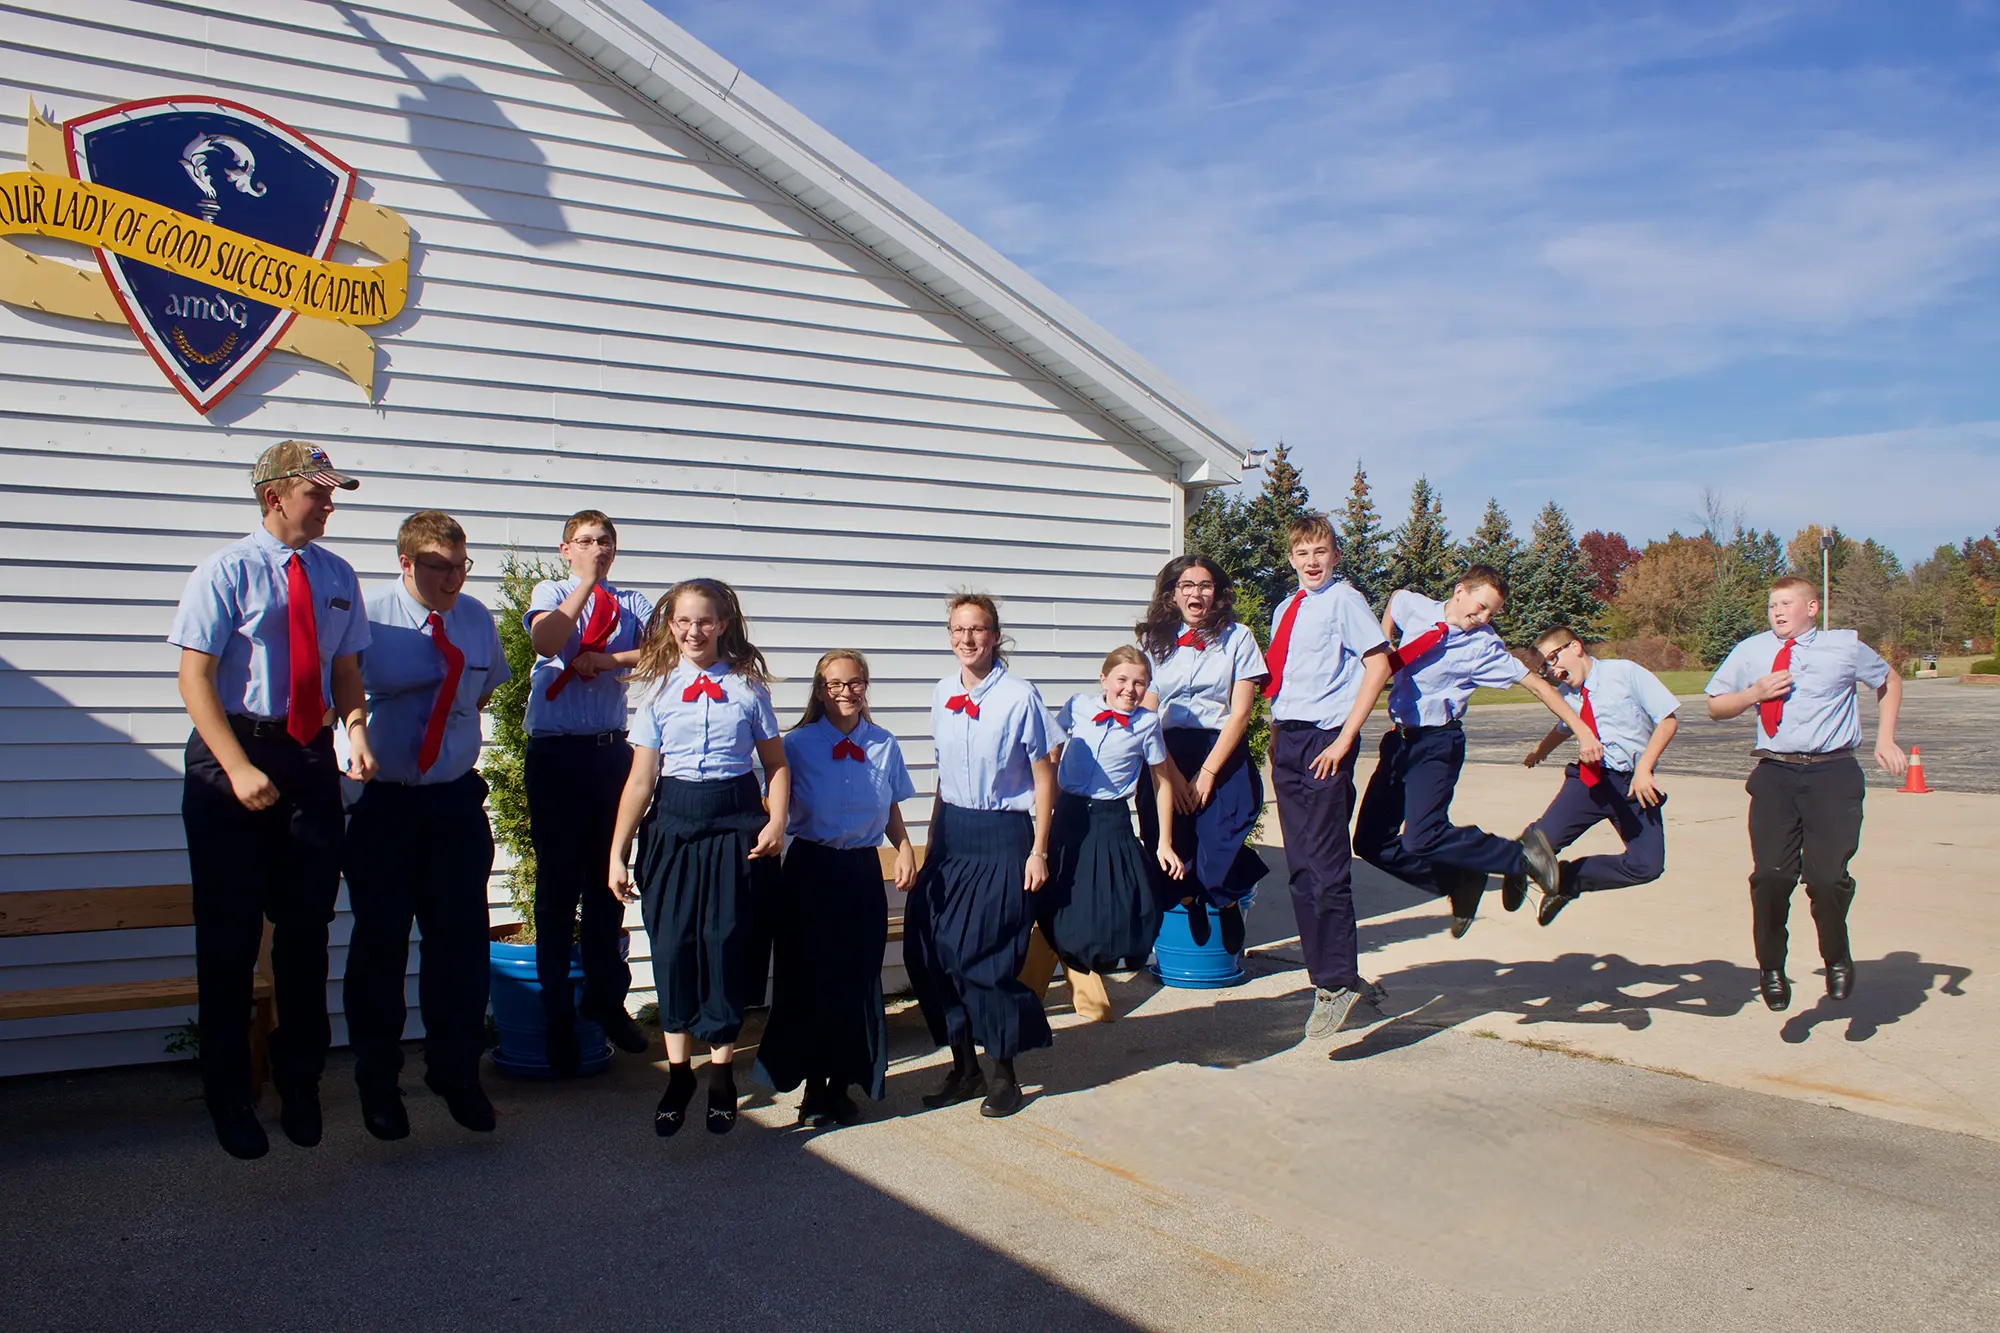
(1360, 531)
(1270, 513)
(1494, 544)
(1218, 527)
(1422, 558)
(1553, 582)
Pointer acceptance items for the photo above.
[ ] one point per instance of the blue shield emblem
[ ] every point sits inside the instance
(227, 165)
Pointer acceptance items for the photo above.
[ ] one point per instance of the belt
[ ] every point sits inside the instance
(1804, 760)
(1299, 724)
(261, 728)
(580, 738)
(1407, 730)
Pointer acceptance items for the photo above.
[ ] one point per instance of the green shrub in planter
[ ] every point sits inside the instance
(506, 757)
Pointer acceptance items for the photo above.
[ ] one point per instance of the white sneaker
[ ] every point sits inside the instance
(1329, 1012)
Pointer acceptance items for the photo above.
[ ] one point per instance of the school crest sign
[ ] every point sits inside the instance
(214, 227)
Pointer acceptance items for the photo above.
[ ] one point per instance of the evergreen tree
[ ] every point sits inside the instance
(506, 756)
(1494, 544)
(1553, 581)
(1422, 558)
(1360, 530)
(1281, 501)
(1734, 612)
(1218, 527)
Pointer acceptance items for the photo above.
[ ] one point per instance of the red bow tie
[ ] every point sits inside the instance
(847, 749)
(1122, 719)
(963, 703)
(704, 684)
(1191, 640)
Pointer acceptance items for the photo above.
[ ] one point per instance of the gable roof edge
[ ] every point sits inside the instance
(666, 65)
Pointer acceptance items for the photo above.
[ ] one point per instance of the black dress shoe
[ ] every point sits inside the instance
(1003, 1100)
(237, 1130)
(1541, 861)
(299, 1114)
(812, 1104)
(960, 1085)
(1552, 903)
(1840, 979)
(1513, 892)
(1233, 928)
(1197, 919)
(1467, 888)
(467, 1102)
(564, 1053)
(841, 1108)
(382, 1113)
(623, 1029)
(1777, 991)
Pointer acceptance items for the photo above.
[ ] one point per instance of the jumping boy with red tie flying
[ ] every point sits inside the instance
(270, 631)
(1806, 791)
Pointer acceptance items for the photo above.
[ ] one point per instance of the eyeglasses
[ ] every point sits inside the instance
(682, 625)
(604, 543)
(836, 688)
(1554, 658)
(970, 631)
(437, 566)
(1188, 589)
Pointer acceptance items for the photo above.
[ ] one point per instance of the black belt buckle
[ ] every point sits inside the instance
(610, 737)
(260, 728)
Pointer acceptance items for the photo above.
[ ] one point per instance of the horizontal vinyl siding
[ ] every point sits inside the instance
(605, 312)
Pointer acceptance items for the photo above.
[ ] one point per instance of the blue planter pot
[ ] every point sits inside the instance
(1178, 961)
(517, 1013)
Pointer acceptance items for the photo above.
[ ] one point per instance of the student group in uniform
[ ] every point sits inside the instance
(1032, 855)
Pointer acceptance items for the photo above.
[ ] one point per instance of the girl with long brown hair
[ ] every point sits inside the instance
(826, 1028)
(708, 848)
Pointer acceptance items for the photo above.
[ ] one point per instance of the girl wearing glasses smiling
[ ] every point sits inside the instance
(708, 854)
(1207, 671)
(826, 1027)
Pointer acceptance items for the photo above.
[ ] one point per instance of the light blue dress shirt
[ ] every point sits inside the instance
(987, 763)
(403, 671)
(844, 802)
(1627, 704)
(1434, 690)
(1333, 631)
(1103, 760)
(1194, 685)
(1821, 713)
(584, 707)
(235, 610)
(704, 739)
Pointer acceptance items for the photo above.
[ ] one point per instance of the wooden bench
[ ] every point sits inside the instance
(80, 911)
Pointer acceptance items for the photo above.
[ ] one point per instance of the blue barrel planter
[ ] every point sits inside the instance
(517, 1012)
(1178, 961)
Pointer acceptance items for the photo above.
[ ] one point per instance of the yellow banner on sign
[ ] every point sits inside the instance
(41, 204)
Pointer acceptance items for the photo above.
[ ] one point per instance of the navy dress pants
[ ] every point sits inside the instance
(574, 783)
(1314, 813)
(1577, 809)
(1405, 824)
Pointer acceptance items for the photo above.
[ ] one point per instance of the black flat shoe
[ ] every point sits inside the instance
(564, 1054)
(1840, 979)
(1552, 904)
(1233, 928)
(960, 1085)
(721, 1101)
(1513, 892)
(1197, 918)
(812, 1105)
(382, 1113)
(671, 1113)
(1003, 1100)
(299, 1114)
(237, 1130)
(468, 1104)
(1777, 991)
(623, 1030)
(1467, 889)
(841, 1108)
(1541, 861)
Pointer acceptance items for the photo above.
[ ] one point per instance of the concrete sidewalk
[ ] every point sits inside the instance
(1663, 976)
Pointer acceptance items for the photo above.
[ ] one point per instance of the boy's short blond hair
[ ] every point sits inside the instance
(1310, 526)
(428, 530)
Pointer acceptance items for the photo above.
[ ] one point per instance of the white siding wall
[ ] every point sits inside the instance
(604, 313)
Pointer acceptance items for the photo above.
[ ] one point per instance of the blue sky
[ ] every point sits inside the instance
(1608, 254)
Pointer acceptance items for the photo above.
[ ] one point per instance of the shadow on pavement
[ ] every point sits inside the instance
(1885, 991)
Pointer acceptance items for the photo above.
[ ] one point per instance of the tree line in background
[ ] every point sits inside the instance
(1679, 601)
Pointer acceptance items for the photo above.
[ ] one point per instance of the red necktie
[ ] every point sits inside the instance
(1589, 774)
(963, 703)
(1281, 644)
(454, 667)
(305, 713)
(847, 749)
(598, 627)
(1413, 652)
(1122, 719)
(1191, 640)
(704, 684)
(1771, 711)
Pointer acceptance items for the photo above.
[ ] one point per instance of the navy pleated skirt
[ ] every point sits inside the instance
(1100, 905)
(708, 906)
(966, 933)
(1221, 864)
(826, 1003)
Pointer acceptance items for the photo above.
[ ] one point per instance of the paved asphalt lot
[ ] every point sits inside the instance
(1957, 727)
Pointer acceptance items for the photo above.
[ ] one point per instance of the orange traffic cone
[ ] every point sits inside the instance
(1915, 781)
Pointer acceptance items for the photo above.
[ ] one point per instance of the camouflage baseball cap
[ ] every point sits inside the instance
(296, 458)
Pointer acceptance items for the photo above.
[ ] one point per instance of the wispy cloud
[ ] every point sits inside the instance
(1609, 258)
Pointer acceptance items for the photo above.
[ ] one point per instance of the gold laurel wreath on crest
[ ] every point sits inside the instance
(54, 287)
